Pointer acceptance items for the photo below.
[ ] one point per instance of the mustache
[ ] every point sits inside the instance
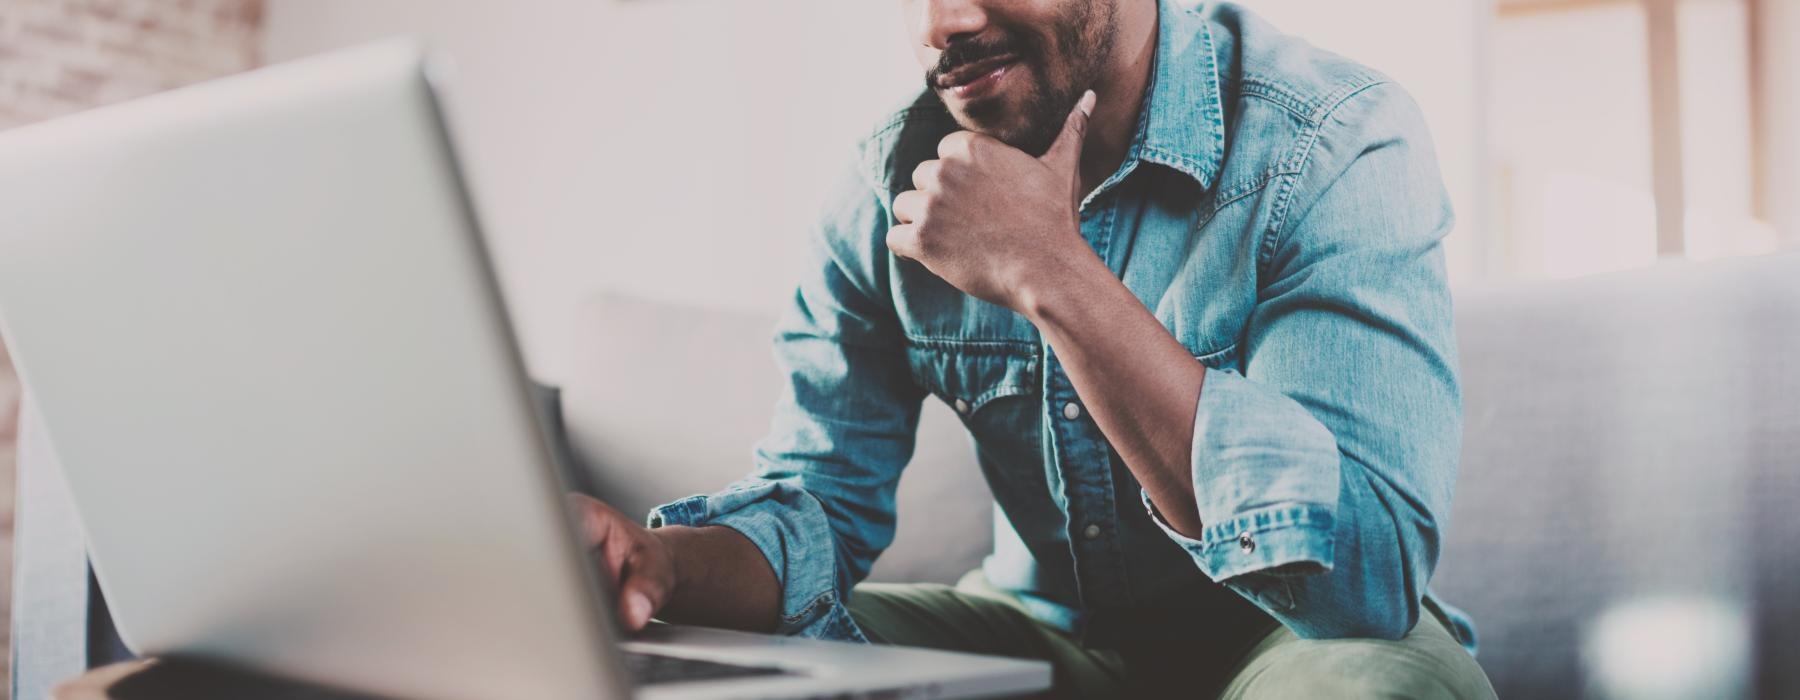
(964, 52)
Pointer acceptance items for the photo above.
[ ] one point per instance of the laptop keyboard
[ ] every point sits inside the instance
(650, 669)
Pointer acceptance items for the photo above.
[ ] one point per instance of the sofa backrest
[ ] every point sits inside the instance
(1626, 435)
(667, 401)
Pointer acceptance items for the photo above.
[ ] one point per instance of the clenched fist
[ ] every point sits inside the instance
(991, 219)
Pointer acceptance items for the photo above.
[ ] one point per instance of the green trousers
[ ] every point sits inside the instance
(974, 617)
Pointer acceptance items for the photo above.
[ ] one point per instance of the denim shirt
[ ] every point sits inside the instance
(1280, 210)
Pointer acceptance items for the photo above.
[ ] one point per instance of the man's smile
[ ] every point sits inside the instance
(978, 78)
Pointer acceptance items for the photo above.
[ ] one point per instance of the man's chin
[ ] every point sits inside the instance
(1018, 136)
(1003, 117)
(988, 117)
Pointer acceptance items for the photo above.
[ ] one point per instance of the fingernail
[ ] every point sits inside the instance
(640, 609)
(1087, 102)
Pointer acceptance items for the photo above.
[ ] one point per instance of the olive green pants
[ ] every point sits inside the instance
(977, 618)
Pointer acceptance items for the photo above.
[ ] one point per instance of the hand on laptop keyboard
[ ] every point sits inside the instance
(637, 563)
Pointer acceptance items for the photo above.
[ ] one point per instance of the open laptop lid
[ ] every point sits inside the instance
(267, 346)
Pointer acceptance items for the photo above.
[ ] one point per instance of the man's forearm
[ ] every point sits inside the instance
(1136, 381)
(721, 580)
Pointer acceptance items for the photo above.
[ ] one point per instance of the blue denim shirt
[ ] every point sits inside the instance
(1281, 212)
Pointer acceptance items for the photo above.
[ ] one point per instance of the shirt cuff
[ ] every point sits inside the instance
(1291, 540)
(1266, 479)
(788, 525)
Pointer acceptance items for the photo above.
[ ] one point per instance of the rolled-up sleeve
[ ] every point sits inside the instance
(820, 502)
(1323, 471)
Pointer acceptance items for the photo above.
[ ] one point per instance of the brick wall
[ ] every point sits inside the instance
(61, 56)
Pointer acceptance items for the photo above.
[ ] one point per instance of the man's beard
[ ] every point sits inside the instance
(1084, 46)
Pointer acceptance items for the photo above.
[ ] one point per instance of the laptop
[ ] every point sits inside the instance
(267, 346)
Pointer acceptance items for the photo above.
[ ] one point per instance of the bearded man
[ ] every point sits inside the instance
(1181, 276)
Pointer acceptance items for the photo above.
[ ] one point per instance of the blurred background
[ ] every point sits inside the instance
(676, 149)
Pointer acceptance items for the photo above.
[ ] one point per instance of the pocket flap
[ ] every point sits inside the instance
(967, 374)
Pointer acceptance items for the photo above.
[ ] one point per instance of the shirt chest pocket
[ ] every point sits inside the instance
(968, 375)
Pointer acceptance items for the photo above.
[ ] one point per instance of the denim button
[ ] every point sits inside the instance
(962, 407)
(1091, 532)
(1072, 411)
(1246, 543)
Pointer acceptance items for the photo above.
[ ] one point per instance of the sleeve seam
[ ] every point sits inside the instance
(1277, 231)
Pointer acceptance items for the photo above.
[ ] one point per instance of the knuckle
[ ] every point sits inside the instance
(948, 170)
(957, 145)
(925, 240)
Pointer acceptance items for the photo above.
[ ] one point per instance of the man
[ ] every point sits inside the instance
(1181, 277)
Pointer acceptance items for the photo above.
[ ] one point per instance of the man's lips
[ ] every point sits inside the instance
(963, 76)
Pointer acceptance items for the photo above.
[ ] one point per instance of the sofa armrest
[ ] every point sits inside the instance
(50, 571)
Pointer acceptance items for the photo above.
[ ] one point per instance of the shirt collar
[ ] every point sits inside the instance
(1183, 125)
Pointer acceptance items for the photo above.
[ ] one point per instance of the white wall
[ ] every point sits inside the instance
(676, 149)
(1571, 140)
(1572, 137)
(1718, 168)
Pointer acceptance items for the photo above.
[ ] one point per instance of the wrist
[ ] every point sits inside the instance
(681, 569)
(1051, 295)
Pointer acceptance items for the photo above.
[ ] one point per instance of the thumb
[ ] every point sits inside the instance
(1065, 154)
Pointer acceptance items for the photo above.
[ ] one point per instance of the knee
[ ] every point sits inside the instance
(1319, 682)
(1363, 669)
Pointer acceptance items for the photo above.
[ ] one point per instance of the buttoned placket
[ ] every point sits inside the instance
(1083, 458)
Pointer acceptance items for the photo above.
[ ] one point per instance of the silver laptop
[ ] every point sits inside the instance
(267, 346)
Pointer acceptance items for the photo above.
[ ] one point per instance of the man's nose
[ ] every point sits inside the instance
(946, 21)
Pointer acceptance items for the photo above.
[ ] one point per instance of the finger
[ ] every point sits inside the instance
(635, 608)
(958, 145)
(612, 552)
(904, 241)
(642, 593)
(909, 207)
(591, 516)
(1064, 155)
(601, 533)
(928, 176)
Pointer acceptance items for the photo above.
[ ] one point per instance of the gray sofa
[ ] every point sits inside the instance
(1627, 434)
